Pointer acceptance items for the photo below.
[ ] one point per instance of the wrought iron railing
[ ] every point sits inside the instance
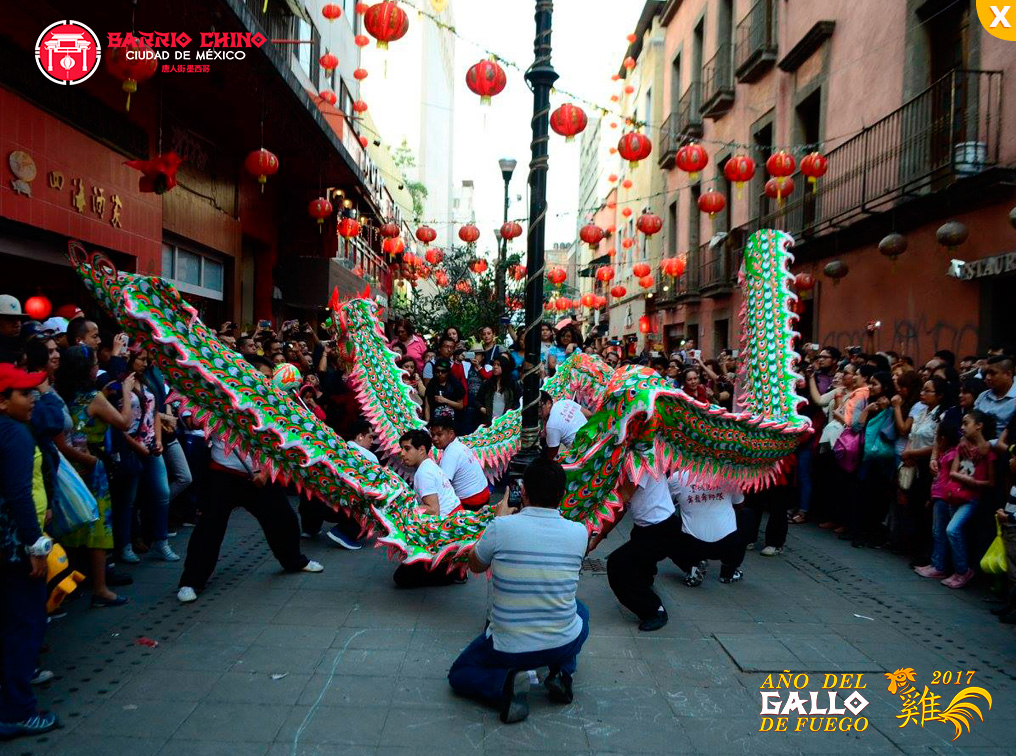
(689, 121)
(717, 77)
(950, 130)
(669, 141)
(714, 266)
(755, 38)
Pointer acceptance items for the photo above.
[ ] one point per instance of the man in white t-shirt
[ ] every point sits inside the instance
(656, 532)
(437, 496)
(562, 419)
(709, 528)
(461, 465)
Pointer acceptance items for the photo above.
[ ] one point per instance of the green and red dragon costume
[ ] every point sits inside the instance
(640, 426)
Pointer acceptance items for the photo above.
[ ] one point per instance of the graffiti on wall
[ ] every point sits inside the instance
(919, 338)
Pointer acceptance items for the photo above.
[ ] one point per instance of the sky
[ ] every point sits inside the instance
(589, 45)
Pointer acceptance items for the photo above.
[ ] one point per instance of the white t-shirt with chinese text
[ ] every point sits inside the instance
(651, 503)
(566, 419)
(365, 453)
(462, 467)
(706, 513)
(430, 479)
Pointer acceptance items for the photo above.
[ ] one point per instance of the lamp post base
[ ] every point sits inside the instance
(521, 461)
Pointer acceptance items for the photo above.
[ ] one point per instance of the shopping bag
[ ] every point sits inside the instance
(74, 506)
(848, 448)
(993, 561)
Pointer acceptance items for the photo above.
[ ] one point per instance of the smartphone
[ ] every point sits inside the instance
(515, 495)
(264, 324)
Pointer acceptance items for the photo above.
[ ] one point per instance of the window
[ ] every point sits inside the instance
(303, 52)
(647, 116)
(672, 229)
(193, 273)
(675, 84)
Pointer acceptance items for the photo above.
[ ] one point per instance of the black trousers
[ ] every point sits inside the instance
(418, 576)
(631, 568)
(729, 550)
(777, 500)
(224, 492)
(314, 513)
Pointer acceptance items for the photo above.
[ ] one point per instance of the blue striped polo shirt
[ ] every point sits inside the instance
(535, 557)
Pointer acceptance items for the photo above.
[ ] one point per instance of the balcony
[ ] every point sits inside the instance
(716, 274)
(718, 83)
(755, 46)
(683, 124)
(949, 132)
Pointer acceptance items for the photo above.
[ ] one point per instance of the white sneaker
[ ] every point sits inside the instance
(313, 566)
(128, 556)
(694, 578)
(771, 550)
(42, 676)
(162, 551)
(186, 594)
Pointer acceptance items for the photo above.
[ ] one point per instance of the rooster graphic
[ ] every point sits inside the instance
(924, 706)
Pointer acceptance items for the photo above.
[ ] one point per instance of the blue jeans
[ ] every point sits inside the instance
(804, 460)
(156, 484)
(948, 533)
(480, 671)
(22, 626)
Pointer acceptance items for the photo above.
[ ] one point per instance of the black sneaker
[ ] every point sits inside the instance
(694, 578)
(559, 688)
(654, 623)
(515, 697)
(42, 722)
(733, 578)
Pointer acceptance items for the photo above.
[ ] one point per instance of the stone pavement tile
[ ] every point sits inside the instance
(661, 734)
(275, 660)
(638, 703)
(609, 671)
(361, 661)
(348, 690)
(223, 721)
(295, 636)
(378, 615)
(832, 651)
(147, 719)
(302, 600)
(333, 725)
(434, 663)
(321, 749)
(446, 640)
(547, 725)
(210, 657)
(432, 692)
(612, 646)
(330, 617)
(243, 612)
(732, 735)
(177, 747)
(400, 638)
(221, 632)
(166, 685)
(79, 744)
(258, 687)
(698, 649)
(713, 701)
(939, 734)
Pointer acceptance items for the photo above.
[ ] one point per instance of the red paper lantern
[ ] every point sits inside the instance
(645, 326)
(588, 300)
(360, 74)
(640, 270)
(611, 251)
(627, 243)
(634, 146)
(329, 62)
(349, 228)
(361, 8)
(738, 170)
(409, 259)
(814, 166)
(158, 175)
(511, 230)
(518, 272)
(363, 142)
(605, 273)
(797, 307)
(393, 246)
(781, 164)
(38, 307)
(426, 234)
(646, 282)
(629, 62)
(563, 304)
(389, 230)
(615, 98)
(615, 77)
(434, 256)
(328, 96)
(464, 287)
(627, 183)
(612, 178)
(649, 224)
(804, 282)
(629, 89)
(69, 311)
(631, 38)
(260, 163)
(557, 275)
(618, 291)
(712, 202)
(601, 301)
(478, 266)
(386, 22)
(568, 120)
(319, 208)
(331, 11)
(441, 278)
(469, 233)
(359, 106)
(672, 266)
(486, 79)
(548, 307)
(626, 212)
(591, 235)
(361, 40)
(613, 150)
(134, 69)
(778, 188)
(692, 158)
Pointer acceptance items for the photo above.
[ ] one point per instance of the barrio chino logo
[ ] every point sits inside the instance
(999, 20)
(67, 52)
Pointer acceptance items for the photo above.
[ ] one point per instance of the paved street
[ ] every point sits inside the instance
(343, 663)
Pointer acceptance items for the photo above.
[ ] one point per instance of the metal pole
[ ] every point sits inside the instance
(541, 77)
(499, 271)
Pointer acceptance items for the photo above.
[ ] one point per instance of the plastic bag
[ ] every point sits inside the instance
(993, 561)
(74, 506)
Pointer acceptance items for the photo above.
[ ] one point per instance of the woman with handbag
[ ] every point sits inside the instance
(847, 446)
(91, 414)
(877, 471)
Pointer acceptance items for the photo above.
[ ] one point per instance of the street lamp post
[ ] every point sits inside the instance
(541, 77)
(507, 168)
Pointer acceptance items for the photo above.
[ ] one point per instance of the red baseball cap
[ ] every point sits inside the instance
(12, 377)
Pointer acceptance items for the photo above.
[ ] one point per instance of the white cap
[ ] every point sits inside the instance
(55, 325)
(10, 306)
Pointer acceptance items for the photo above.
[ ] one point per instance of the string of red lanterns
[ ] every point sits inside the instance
(386, 22)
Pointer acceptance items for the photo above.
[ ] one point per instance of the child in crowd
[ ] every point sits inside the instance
(965, 473)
